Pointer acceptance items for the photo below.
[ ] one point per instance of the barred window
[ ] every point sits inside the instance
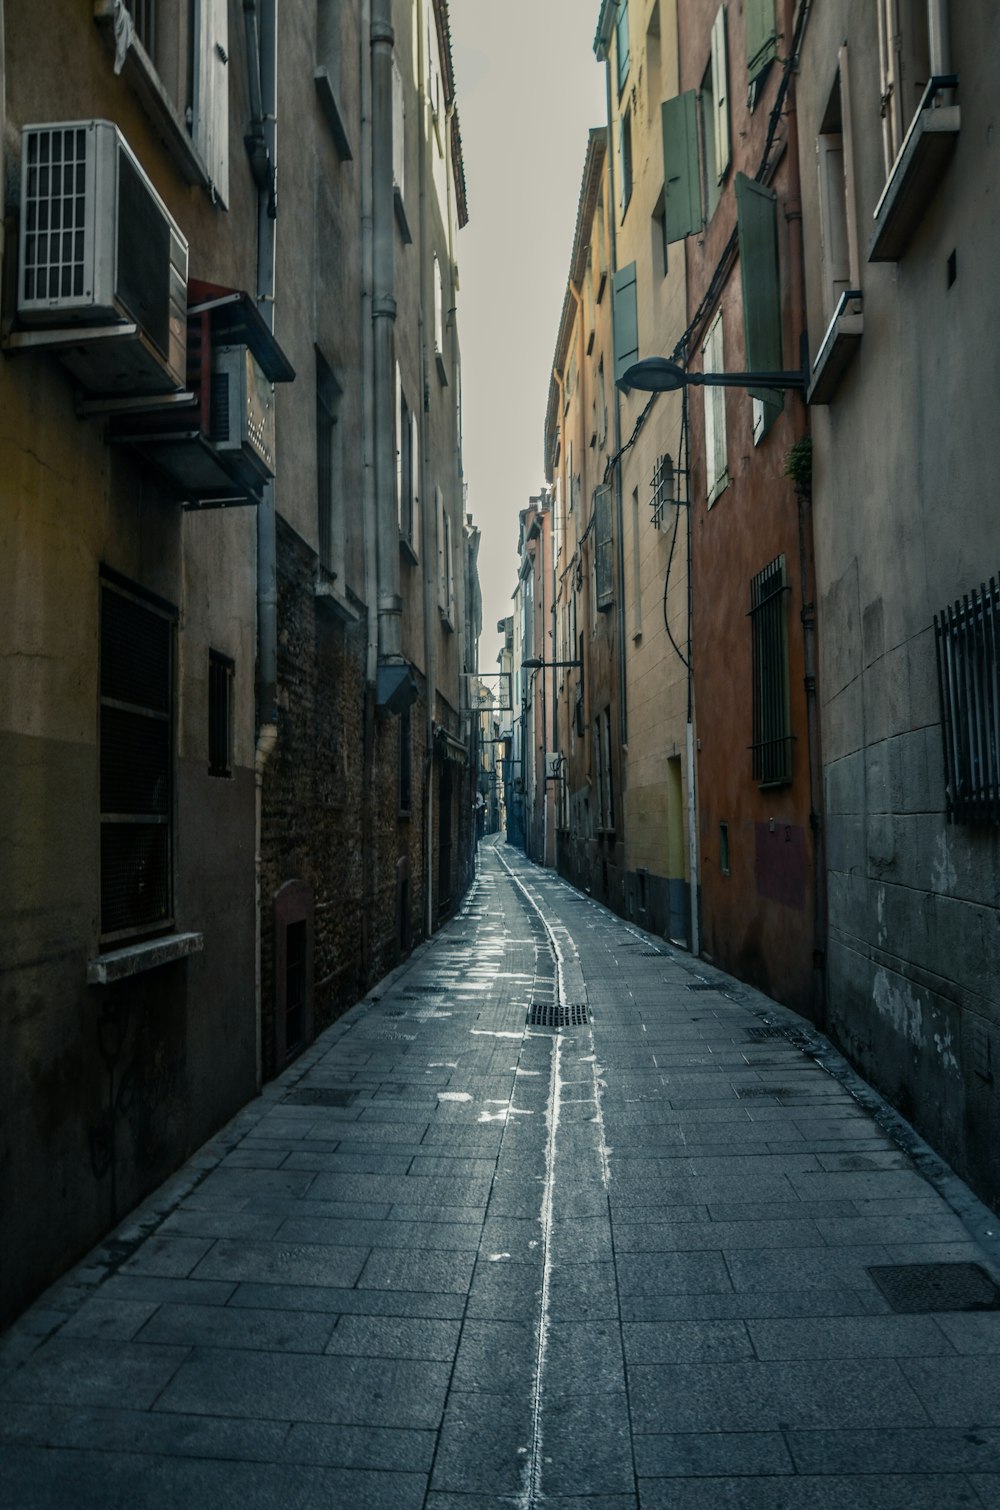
(143, 14)
(604, 548)
(772, 728)
(967, 634)
(136, 763)
(662, 486)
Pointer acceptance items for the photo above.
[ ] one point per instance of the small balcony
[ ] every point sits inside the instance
(918, 168)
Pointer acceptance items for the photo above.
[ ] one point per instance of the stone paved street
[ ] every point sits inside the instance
(451, 1262)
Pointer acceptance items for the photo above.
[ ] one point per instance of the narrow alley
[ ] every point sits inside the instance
(553, 1217)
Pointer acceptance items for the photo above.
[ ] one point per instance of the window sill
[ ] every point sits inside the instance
(446, 620)
(842, 339)
(142, 78)
(408, 550)
(442, 370)
(331, 597)
(918, 168)
(332, 114)
(716, 492)
(121, 964)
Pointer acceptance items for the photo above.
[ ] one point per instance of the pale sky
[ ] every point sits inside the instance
(528, 89)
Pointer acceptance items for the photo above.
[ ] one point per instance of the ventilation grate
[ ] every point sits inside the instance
(319, 1095)
(916, 1288)
(548, 1014)
(653, 954)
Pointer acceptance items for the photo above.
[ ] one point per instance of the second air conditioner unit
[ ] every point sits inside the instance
(102, 259)
(242, 413)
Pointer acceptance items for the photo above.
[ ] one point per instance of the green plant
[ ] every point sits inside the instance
(799, 465)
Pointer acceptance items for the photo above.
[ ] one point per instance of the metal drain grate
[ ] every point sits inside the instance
(915, 1288)
(760, 1035)
(653, 954)
(751, 1092)
(320, 1095)
(548, 1014)
(703, 985)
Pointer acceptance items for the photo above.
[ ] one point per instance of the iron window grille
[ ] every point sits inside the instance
(967, 634)
(143, 13)
(604, 561)
(221, 673)
(772, 732)
(662, 486)
(136, 763)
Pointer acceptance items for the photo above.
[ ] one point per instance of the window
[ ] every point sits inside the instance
(602, 256)
(724, 848)
(176, 58)
(660, 258)
(624, 319)
(756, 214)
(221, 673)
(136, 762)
(602, 405)
(621, 43)
(327, 74)
(398, 131)
(636, 569)
(446, 565)
(407, 472)
(711, 189)
(772, 731)
(405, 763)
(604, 548)
(440, 308)
(904, 68)
(625, 159)
(653, 61)
(838, 220)
(716, 467)
(329, 471)
(762, 39)
(662, 488)
(715, 113)
(968, 656)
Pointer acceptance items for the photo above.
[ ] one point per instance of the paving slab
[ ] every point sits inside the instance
(616, 1267)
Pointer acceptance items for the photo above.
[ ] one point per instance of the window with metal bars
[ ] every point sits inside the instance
(221, 671)
(967, 634)
(136, 763)
(143, 13)
(772, 726)
(662, 486)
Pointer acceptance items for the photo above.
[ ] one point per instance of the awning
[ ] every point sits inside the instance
(237, 321)
(395, 687)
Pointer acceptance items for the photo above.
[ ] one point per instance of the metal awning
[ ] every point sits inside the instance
(237, 321)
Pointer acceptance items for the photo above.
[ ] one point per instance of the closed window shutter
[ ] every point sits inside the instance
(626, 320)
(720, 93)
(604, 545)
(681, 194)
(622, 44)
(210, 126)
(398, 128)
(716, 449)
(758, 236)
(762, 41)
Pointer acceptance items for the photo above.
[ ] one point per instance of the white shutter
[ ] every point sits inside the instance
(399, 447)
(715, 413)
(398, 127)
(210, 126)
(720, 93)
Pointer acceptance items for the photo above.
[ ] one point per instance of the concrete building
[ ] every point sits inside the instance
(242, 609)
(649, 599)
(901, 217)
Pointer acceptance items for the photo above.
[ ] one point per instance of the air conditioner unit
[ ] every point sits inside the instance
(242, 413)
(102, 259)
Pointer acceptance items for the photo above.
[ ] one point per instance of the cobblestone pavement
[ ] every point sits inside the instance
(453, 1262)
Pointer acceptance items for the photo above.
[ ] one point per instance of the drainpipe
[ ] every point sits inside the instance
(939, 36)
(384, 319)
(428, 521)
(3, 134)
(694, 931)
(613, 239)
(807, 576)
(261, 34)
(368, 494)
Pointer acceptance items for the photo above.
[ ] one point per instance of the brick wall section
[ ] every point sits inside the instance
(331, 809)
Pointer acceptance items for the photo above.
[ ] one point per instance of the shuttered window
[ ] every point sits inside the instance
(398, 129)
(136, 763)
(720, 96)
(968, 653)
(210, 126)
(221, 674)
(604, 547)
(625, 320)
(622, 43)
(772, 731)
(446, 566)
(681, 195)
(625, 158)
(716, 455)
(762, 40)
(756, 212)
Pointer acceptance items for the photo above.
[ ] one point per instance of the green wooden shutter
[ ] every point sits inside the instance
(622, 43)
(604, 546)
(626, 319)
(681, 185)
(762, 40)
(756, 214)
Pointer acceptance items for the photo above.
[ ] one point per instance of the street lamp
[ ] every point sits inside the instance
(535, 663)
(659, 375)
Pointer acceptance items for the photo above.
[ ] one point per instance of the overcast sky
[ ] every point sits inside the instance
(528, 89)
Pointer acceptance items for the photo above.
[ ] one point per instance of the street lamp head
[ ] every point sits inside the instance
(653, 375)
(660, 375)
(535, 663)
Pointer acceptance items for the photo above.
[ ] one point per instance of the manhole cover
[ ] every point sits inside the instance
(759, 1035)
(547, 1014)
(320, 1095)
(914, 1288)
